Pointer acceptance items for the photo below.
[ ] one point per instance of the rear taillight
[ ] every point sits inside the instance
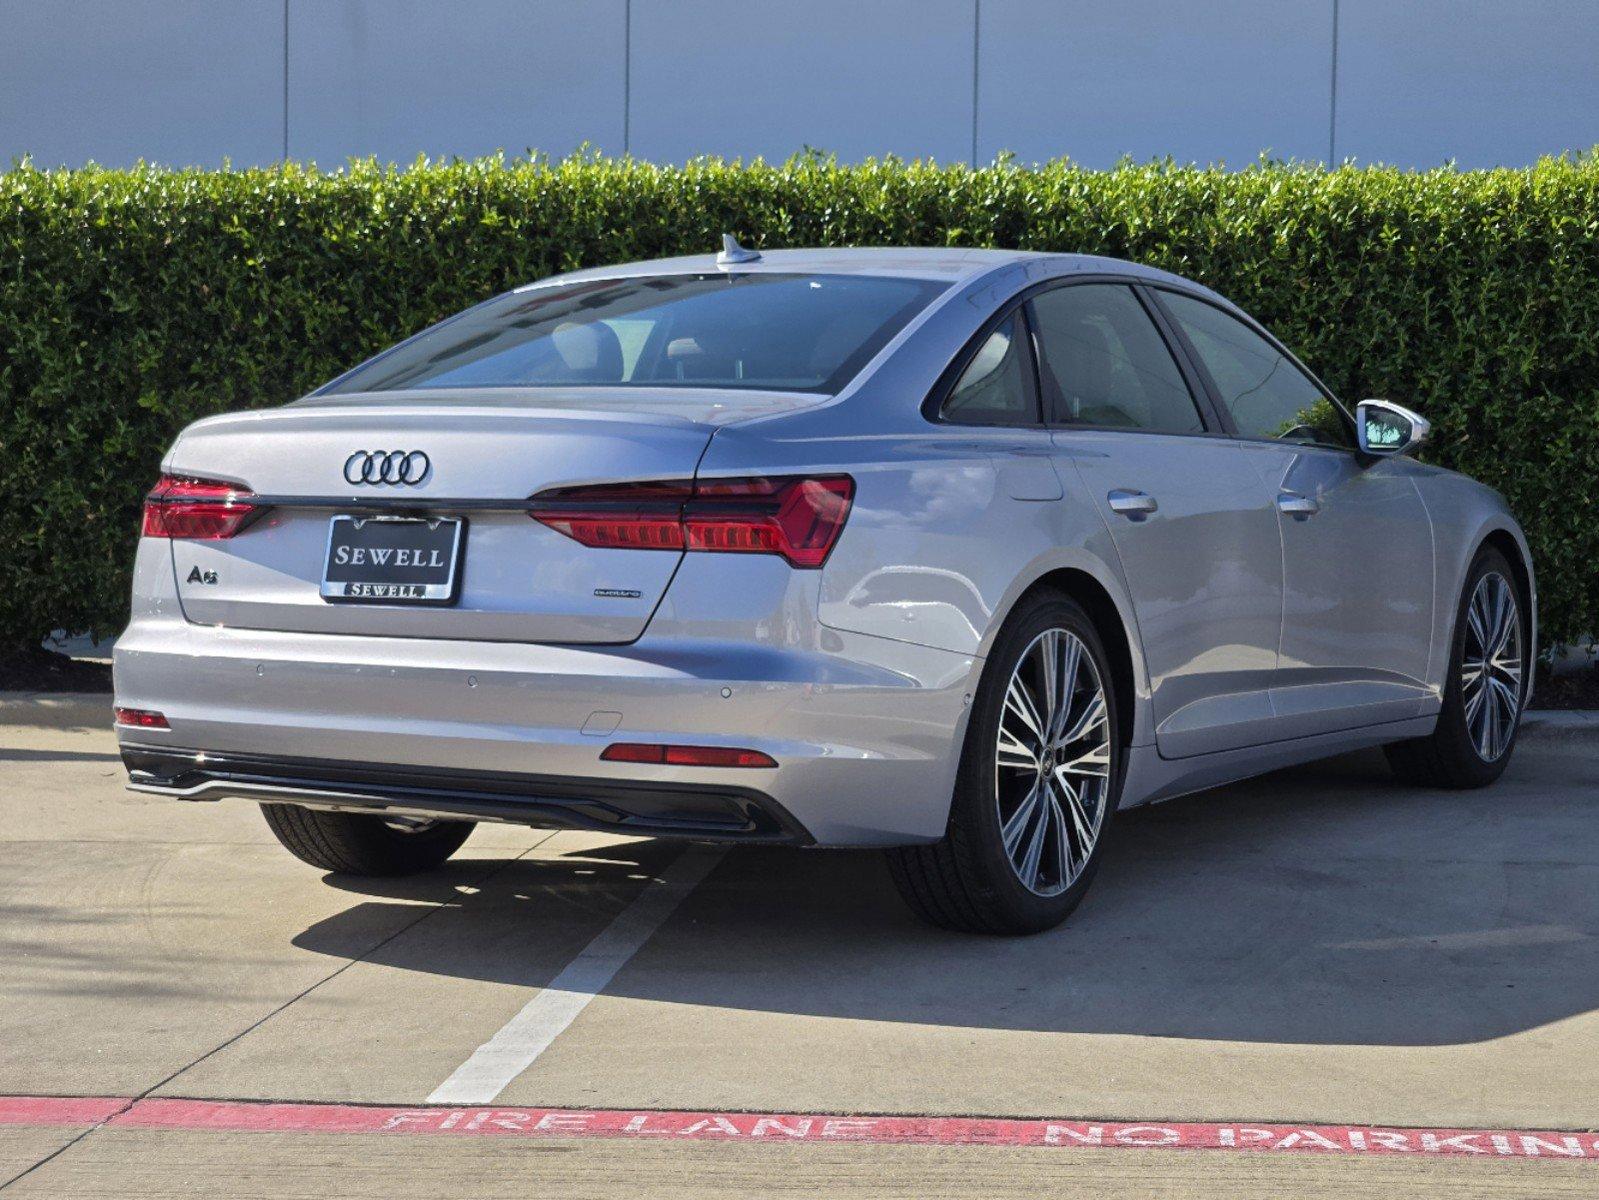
(796, 517)
(618, 516)
(180, 506)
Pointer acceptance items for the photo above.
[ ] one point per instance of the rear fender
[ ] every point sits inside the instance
(937, 551)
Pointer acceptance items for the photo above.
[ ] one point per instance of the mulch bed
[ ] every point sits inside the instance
(46, 671)
(1573, 689)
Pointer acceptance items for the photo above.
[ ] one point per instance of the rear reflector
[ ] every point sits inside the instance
(797, 518)
(180, 506)
(685, 756)
(141, 718)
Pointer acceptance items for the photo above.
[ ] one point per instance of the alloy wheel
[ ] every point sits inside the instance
(1052, 762)
(1491, 666)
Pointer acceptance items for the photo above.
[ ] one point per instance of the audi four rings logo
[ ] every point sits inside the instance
(386, 466)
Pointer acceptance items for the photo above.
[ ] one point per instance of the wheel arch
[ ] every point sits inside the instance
(1516, 554)
(1505, 542)
(1115, 630)
(1467, 516)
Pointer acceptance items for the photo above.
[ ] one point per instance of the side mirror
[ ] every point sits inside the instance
(1386, 429)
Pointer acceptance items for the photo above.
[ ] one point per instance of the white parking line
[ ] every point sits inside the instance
(528, 1034)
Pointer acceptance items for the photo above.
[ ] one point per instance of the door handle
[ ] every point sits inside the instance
(1132, 504)
(1298, 506)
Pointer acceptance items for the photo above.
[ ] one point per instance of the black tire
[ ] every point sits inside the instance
(966, 881)
(359, 844)
(1449, 758)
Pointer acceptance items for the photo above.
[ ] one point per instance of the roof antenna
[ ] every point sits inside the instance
(732, 252)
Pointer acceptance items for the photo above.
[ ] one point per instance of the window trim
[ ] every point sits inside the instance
(1198, 386)
(1223, 414)
(1201, 396)
(933, 404)
(1197, 395)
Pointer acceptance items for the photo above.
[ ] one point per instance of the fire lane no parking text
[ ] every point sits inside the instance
(266, 1117)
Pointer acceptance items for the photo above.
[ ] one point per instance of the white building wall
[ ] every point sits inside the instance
(1412, 82)
(1484, 81)
(178, 81)
(398, 78)
(856, 77)
(1147, 78)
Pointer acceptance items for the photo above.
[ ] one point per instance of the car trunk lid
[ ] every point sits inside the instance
(519, 580)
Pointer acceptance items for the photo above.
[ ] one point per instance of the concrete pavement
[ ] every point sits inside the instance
(1317, 946)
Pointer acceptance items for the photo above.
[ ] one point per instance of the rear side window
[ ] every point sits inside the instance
(1267, 395)
(757, 330)
(1103, 362)
(996, 388)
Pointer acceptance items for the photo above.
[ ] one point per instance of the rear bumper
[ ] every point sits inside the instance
(658, 810)
(866, 730)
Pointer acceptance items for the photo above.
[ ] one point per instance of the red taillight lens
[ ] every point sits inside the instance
(180, 506)
(617, 516)
(798, 518)
(685, 756)
(141, 718)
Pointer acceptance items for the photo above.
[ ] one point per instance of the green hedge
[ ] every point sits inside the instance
(133, 302)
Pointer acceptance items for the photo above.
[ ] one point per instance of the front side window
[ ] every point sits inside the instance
(1267, 395)
(1103, 362)
(996, 388)
(756, 330)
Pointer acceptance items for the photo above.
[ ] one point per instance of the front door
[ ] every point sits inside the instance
(1356, 541)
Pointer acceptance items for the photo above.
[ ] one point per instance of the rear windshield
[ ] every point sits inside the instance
(775, 332)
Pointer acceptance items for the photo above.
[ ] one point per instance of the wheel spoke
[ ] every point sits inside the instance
(1505, 697)
(1071, 664)
(1095, 763)
(1508, 673)
(1477, 722)
(1092, 716)
(1017, 824)
(1033, 855)
(1065, 870)
(1015, 754)
(1079, 815)
(1510, 706)
(1019, 703)
(1490, 726)
(1504, 618)
(1475, 620)
(1048, 650)
(1474, 697)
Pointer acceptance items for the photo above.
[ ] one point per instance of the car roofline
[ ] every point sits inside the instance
(956, 265)
(933, 263)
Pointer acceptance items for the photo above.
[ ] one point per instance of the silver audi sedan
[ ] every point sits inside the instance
(952, 552)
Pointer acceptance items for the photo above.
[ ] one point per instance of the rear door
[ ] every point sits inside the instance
(519, 580)
(1191, 521)
(1356, 539)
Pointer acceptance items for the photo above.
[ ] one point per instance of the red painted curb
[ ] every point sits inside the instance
(59, 1110)
(488, 1121)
